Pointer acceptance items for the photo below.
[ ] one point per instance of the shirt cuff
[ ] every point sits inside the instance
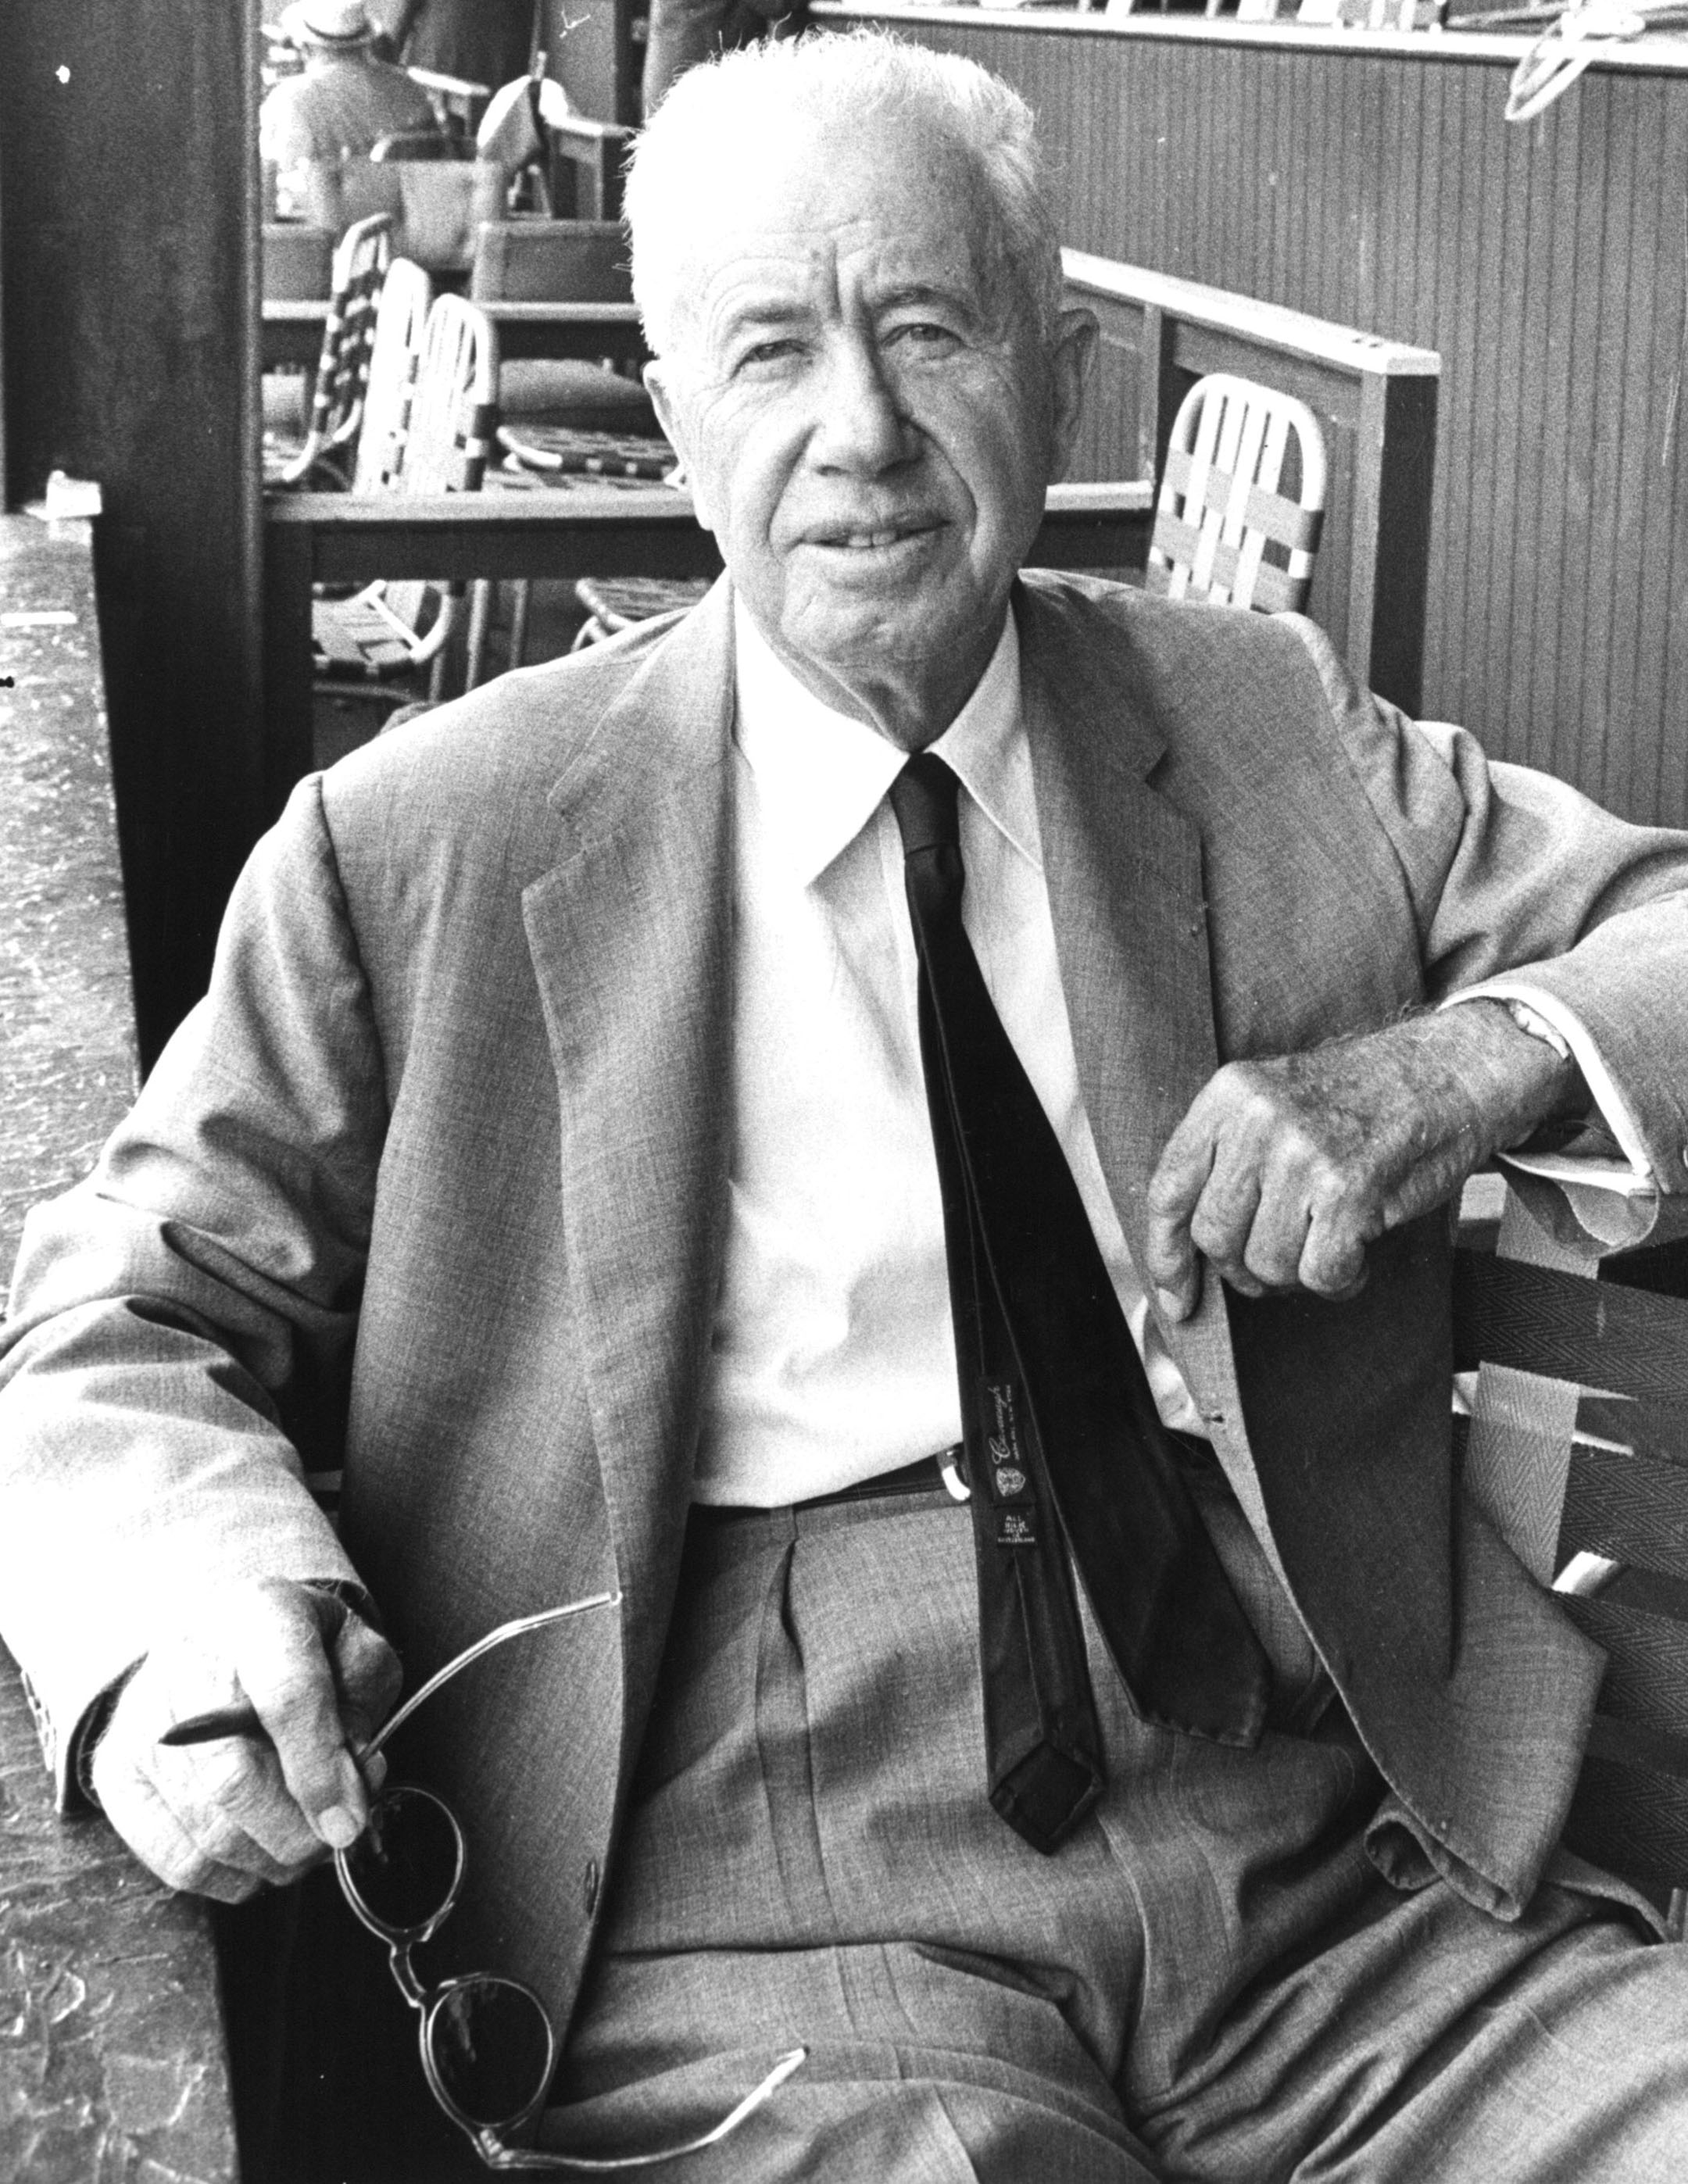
(1614, 1108)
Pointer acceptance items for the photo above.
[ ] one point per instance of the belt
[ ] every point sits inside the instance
(930, 1474)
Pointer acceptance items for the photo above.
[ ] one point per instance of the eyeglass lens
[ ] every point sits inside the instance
(403, 1872)
(488, 2047)
(489, 2050)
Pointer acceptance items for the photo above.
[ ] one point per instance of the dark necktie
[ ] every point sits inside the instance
(1061, 1433)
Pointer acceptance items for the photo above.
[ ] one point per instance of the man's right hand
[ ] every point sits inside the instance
(219, 1819)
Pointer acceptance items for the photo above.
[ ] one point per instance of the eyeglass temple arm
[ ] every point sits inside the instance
(518, 1627)
(497, 2155)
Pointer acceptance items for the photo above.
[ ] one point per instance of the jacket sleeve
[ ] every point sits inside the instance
(1510, 870)
(182, 1321)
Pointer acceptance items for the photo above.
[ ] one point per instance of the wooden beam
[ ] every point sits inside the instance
(293, 330)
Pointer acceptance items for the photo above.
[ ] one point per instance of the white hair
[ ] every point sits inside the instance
(739, 99)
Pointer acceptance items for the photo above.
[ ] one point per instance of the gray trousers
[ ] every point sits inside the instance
(1210, 1979)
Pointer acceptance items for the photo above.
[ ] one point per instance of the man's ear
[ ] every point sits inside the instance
(660, 386)
(1070, 360)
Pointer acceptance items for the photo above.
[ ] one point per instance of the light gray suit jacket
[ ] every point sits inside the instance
(434, 1182)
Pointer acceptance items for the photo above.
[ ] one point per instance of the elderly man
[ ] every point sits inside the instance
(677, 1124)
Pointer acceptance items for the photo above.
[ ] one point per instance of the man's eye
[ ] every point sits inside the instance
(765, 355)
(923, 336)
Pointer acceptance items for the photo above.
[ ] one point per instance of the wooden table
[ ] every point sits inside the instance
(589, 530)
(293, 330)
(111, 2052)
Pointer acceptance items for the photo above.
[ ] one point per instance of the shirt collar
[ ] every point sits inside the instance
(821, 776)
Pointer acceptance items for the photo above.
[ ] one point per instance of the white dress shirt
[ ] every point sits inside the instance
(833, 1355)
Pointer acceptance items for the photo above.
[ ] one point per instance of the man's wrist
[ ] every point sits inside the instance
(1574, 1098)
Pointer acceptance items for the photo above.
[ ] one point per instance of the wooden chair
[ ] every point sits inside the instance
(386, 629)
(1575, 1374)
(361, 263)
(1224, 530)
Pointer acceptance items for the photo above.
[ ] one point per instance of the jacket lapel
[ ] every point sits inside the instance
(1295, 1393)
(1124, 871)
(628, 934)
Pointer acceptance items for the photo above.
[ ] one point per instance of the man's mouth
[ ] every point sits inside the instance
(875, 540)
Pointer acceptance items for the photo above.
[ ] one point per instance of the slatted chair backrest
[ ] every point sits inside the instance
(1223, 532)
(456, 409)
(1577, 1448)
(337, 411)
(551, 261)
(453, 417)
(395, 360)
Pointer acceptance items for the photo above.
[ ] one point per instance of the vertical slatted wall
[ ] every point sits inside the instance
(1547, 264)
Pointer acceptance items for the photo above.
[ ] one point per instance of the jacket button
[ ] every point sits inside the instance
(588, 1886)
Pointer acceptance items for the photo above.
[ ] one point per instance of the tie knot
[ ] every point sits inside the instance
(923, 803)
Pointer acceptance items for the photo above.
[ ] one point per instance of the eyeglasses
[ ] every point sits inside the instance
(487, 2048)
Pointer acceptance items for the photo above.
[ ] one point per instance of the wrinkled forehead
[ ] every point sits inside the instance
(887, 193)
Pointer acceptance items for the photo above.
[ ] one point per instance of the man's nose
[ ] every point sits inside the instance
(860, 425)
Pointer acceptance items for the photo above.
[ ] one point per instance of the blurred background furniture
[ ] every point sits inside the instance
(1375, 401)
(565, 458)
(614, 604)
(336, 398)
(401, 319)
(1223, 532)
(388, 627)
(434, 190)
(563, 419)
(561, 261)
(297, 259)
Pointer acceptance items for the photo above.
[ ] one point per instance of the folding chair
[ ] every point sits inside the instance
(386, 627)
(614, 604)
(1224, 532)
(360, 263)
(395, 358)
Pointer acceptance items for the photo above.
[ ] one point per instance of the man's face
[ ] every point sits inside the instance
(867, 417)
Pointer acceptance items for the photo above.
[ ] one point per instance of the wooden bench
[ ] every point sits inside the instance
(1575, 1370)
(1376, 400)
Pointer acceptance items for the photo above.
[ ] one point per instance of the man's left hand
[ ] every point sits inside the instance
(1285, 1170)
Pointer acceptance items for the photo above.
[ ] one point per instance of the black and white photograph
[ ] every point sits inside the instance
(843, 1091)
